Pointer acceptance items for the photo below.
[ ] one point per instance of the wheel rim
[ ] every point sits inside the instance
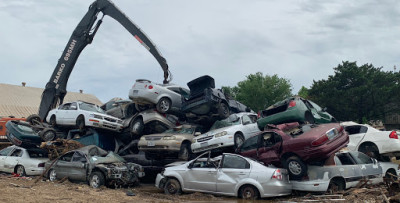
(185, 153)
(52, 175)
(225, 109)
(333, 188)
(95, 181)
(239, 141)
(294, 167)
(20, 170)
(48, 136)
(248, 193)
(164, 105)
(172, 188)
(81, 123)
(135, 127)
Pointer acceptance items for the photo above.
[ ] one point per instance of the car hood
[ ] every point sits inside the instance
(213, 132)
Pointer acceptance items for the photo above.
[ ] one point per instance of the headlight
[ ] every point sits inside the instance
(169, 138)
(220, 134)
(195, 140)
(96, 116)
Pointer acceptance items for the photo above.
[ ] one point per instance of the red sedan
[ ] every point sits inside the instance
(291, 145)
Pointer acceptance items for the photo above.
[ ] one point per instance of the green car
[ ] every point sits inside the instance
(294, 109)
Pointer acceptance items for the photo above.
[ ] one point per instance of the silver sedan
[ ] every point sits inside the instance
(228, 174)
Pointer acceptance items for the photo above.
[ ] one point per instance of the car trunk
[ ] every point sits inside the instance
(198, 85)
(280, 107)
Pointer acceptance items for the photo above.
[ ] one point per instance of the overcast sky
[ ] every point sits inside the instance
(226, 39)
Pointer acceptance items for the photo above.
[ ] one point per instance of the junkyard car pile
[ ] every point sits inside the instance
(292, 145)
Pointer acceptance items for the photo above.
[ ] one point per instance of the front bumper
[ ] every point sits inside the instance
(105, 124)
(169, 146)
(214, 143)
(160, 181)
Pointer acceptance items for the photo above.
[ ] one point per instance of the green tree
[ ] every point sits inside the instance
(303, 92)
(356, 92)
(259, 91)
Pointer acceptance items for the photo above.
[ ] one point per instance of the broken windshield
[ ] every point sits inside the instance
(109, 158)
(231, 120)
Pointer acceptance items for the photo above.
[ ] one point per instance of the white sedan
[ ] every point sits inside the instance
(229, 174)
(83, 114)
(23, 161)
(232, 131)
(375, 143)
(166, 97)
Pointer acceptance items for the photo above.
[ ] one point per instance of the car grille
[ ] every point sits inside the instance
(110, 119)
(154, 138)
(109, 126)
(205, 138)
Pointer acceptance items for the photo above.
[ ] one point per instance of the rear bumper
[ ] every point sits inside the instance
(326, 150)
(312, 186)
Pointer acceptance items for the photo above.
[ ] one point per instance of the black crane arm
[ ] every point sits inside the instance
(55, 89)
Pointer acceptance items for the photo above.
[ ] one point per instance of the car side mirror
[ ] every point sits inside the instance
(324, 109)
(197, 133)
(375, 161)
(191, 165)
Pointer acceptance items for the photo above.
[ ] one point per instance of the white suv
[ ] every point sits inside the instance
(232, 131)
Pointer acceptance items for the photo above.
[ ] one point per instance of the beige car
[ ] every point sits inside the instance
(174, 142)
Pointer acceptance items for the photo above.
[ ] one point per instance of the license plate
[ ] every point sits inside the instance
(332, 134)
(151, 144)
(204, 144)
(135, 91)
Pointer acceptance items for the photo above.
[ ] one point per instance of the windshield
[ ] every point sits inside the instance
(231, 120)
(109, 158)
(90, 107)
(180, 130)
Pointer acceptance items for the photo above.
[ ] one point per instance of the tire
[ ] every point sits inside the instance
(335, 186)
(163, 105)
(296, 167)
(96, 179)
(33, 119)
(20, 170)
(53, 121)
(309, 118)
(172, 187)
(130, 110)
(371, 150)
(80, 122)
(238, 140)
(52, 175)
(48, 134)
(223, 110)
(249, 192)
(185, 152)
(136, 126)
(140, 107)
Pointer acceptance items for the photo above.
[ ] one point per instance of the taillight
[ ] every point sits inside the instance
(277, 175)
(321, 140)
(341, 128)
(40, 165)
(259, 114)
(150, 87)
(292, 103)
(393, 135)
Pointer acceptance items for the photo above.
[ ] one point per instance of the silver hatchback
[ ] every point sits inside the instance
(228, 174)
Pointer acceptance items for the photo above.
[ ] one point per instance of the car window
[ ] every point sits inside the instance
(231, 161)
(246, 119)
(249, 144)
(316, 107)
(67, 156)
(78, 157)
(345, 159)
(6, 151)
(205, 163)
(73, 106)
(37, 153)
(356, 129)
(361, 158)
(65, 106)
(17, 153)
(253, 118)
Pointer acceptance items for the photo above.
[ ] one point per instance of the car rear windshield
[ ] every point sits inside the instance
(178, 130)
(37, 153)
(294, 132)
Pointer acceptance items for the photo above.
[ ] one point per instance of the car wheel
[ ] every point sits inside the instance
(136, 126)
(371, 150)
(80, 122)
(296, 167)
(33, 119)
(309, 118)
(238, 140)
(53, 120)
(172, 187)
(96, 179)
(48, 134)
(185, 152)
(164, 105)
(335, 185)
(130, 110)
(223, 110)
(20, 170)
(140, 107)
(52, 175)
(249, 192)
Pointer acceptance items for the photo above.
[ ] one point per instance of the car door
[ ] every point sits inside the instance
(3, 155)
(368, 166)
(349, 169)
(201, 176)
(12, 160)
(72, 113)
(232, 169)
(249, 127)
(269, 152)
(61, 114)
(63, 165)
(356, 135)
(249, 147)
(176, 98)
(78, 167)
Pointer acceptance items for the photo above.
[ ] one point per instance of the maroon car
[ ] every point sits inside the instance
(291, 145)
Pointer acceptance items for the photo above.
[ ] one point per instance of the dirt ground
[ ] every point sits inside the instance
(24, 189)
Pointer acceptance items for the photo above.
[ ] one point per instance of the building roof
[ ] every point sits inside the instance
(20, 101)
